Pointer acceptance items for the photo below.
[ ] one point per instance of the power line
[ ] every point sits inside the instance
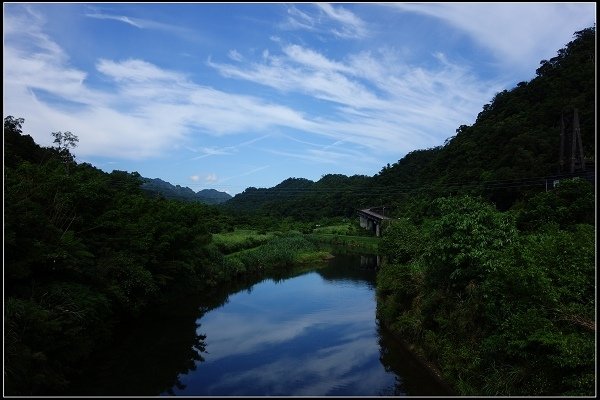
(396, 189)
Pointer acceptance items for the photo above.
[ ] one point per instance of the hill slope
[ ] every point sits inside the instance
(514, 139)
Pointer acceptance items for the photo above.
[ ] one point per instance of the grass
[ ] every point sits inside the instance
(240, 239)
(247, 250)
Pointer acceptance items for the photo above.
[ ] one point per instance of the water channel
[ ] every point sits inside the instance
(313, 333)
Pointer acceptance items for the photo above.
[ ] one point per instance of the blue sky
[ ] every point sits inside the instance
(229, 96)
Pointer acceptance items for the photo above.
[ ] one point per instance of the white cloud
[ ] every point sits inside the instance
(329, 19)
(518, 34)
(147, 110)
(120, 18)
(137, 71)
(312, 59)
(382, 102)
(235, 55)
(351, 25)
(194, 178)
(212, 177)
(374, 101)
(141, 23)
(299, 20)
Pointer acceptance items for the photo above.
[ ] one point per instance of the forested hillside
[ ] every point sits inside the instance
(84, 249)
(504, 155)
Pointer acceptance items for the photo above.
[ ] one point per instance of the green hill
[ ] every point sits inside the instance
(505, 155)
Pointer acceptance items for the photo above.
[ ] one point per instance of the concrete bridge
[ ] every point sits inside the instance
(371, 219)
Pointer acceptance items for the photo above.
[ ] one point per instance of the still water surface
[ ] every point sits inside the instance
(313, 334)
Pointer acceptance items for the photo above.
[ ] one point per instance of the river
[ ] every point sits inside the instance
(313, 333)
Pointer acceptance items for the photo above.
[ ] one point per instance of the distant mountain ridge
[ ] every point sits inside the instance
(177, 192)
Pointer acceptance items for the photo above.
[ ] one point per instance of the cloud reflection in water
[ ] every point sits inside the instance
(305, 336)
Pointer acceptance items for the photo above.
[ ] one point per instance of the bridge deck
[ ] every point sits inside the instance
(372, 214)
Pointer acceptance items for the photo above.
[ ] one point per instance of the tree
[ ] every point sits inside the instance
(13, 124)
(64, 142)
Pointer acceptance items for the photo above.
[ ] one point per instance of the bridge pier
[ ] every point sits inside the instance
(371, 220)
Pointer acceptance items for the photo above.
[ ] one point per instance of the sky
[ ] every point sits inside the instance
(235, 95)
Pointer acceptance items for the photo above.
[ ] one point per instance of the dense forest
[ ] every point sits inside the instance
(490, 273)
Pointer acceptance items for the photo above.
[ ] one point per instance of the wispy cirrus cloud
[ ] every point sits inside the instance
(120, 18)
(350, 26)
(381, 101)
(224, 151)
(235, 55)
(133, 70)
(246, 173)
(326, 19)
(384, 93)
(142, 23)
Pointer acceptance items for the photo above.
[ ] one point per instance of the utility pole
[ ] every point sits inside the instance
(577, 133)
(562, 141)
(576, 159)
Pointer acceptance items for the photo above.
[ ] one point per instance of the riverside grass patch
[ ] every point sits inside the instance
(240, 239)
(282, 250)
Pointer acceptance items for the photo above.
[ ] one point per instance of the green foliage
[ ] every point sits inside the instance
(571, 202)
(333, 195)
(83, 250)
(401, 241)
(366, 244)
(48, 334)
(464, 240)
(501, 311)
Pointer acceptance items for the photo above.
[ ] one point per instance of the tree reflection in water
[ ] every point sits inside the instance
(416, 379)
(147, 356)
(150, 353)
